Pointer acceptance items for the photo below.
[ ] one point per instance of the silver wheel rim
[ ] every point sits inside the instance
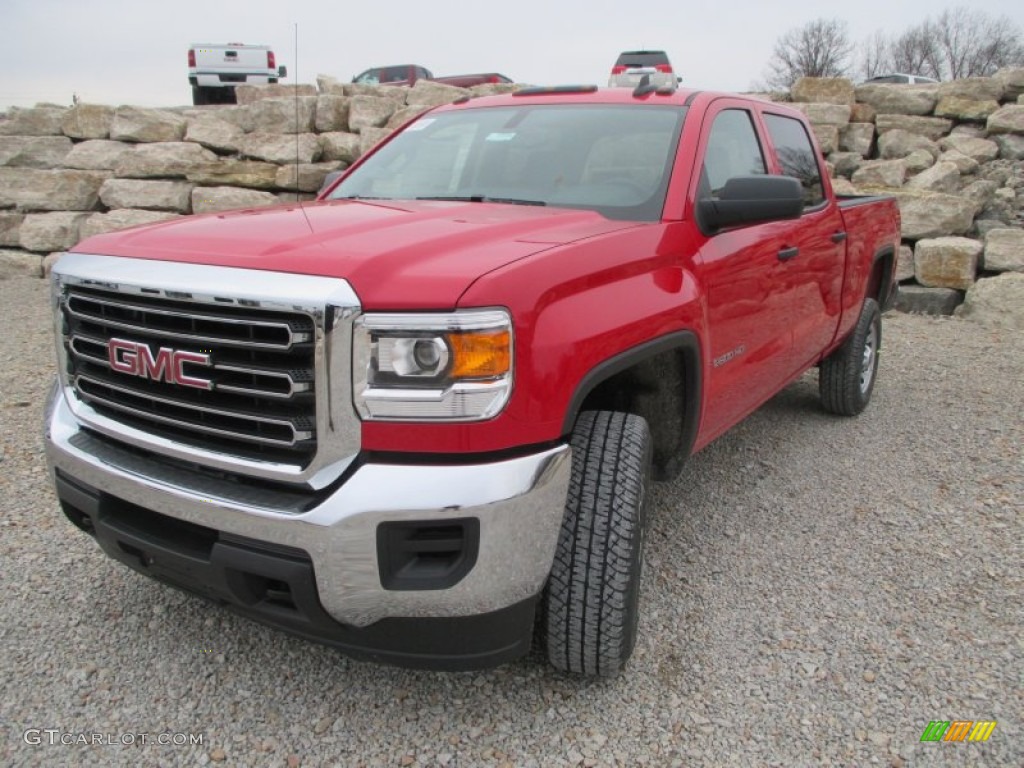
(867, 365)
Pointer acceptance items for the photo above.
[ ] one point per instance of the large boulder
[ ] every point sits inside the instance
(899, 143)
(14, 263)
(164, 159)
(396, 93)
(340, 146)
(981, 193)
(1011, 146)
(48, 232)
(307, 177)
(28, 189)
(904, 263)
(154, 195)
(34, 151)
(928, 301)
(824, 90)
(880, 173)
(979, 150)
(862, 113)
(10, 226)
(941, 177)
(963, 163)
(1008, 119)
(977, 88)
(493, 89)
(88, 121)
(213, 199)
(996, 302)
(405, 114)
(236, 114)
(965, 109)
(284, 115)
(369, 112)
(947, 262)
(235, 173)
(432, 94)
(281, 148)
(933, 128)
(932, 214)
(857, 137)
(36, 121)
(1012, 80)
(97, 155)
(918, 160)
(250, 94)
(122, 218)
(1004, 250)
(210, 131)
(889, 99)
(846, 163)
(331, 113)
(139, 124)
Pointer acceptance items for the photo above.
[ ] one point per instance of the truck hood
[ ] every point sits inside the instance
(395, 254)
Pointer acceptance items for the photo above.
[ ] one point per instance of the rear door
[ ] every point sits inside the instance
(813, 247)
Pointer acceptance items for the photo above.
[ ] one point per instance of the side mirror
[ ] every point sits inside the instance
(282, 71)
(329, 179)
(750, 200)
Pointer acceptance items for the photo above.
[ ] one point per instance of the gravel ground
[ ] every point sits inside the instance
(818, 590)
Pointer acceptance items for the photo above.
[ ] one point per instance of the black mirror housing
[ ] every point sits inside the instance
(751, 200)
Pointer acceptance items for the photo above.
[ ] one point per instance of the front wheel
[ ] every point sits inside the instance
(591, 601)
(847, 376)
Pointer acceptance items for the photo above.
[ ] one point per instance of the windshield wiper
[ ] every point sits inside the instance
(481, 199)
(359, 197)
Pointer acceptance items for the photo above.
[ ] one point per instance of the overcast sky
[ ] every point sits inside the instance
(120, 52)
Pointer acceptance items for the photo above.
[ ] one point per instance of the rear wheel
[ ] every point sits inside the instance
(591, 601)
(199, 96)
(847, 376)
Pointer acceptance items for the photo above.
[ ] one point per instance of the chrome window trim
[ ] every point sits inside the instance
(331, 304)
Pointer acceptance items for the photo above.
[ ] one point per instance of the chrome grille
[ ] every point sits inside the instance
(259, 401)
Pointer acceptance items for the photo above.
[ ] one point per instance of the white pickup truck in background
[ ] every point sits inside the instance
(215, 70)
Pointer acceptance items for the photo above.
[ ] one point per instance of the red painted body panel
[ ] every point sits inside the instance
(581, 288)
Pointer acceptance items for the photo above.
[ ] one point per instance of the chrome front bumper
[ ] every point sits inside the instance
(519, 503)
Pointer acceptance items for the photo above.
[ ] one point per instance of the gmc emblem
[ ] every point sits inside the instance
(137, 359)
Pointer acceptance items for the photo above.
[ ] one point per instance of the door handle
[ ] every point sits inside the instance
(838, 237)
(788, 253)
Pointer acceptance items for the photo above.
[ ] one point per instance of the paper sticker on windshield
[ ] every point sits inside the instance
(500, 136)
(419, 125)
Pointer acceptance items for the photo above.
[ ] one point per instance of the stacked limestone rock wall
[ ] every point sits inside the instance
(953, 156)
(67, 173)
(951, 153)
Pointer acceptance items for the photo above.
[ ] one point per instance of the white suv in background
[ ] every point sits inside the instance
(631, 66)
(899, 77)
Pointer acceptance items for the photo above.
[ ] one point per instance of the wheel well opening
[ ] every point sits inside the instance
(881, 277)
(659, 389)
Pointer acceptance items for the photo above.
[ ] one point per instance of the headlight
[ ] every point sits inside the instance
(432, 367)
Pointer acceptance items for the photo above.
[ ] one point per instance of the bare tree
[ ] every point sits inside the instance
(820, 48)
(958, 43)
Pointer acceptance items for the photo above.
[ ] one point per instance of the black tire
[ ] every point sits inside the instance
(198, 96)
(591, 601)
(847, 377)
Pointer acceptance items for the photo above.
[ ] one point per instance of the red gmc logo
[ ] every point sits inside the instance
(169, 364)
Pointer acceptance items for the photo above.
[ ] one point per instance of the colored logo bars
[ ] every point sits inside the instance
(958, 730)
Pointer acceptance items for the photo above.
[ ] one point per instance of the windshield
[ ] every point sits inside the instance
(615, 160)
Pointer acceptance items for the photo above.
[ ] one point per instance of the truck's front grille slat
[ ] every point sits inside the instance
(197, 327)
(232, 378)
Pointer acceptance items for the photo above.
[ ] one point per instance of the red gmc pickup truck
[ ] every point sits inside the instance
(420, 416)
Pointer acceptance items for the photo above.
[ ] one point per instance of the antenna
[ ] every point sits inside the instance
(295, 83)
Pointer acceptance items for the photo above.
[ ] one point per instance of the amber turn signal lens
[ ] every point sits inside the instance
(480, 355)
